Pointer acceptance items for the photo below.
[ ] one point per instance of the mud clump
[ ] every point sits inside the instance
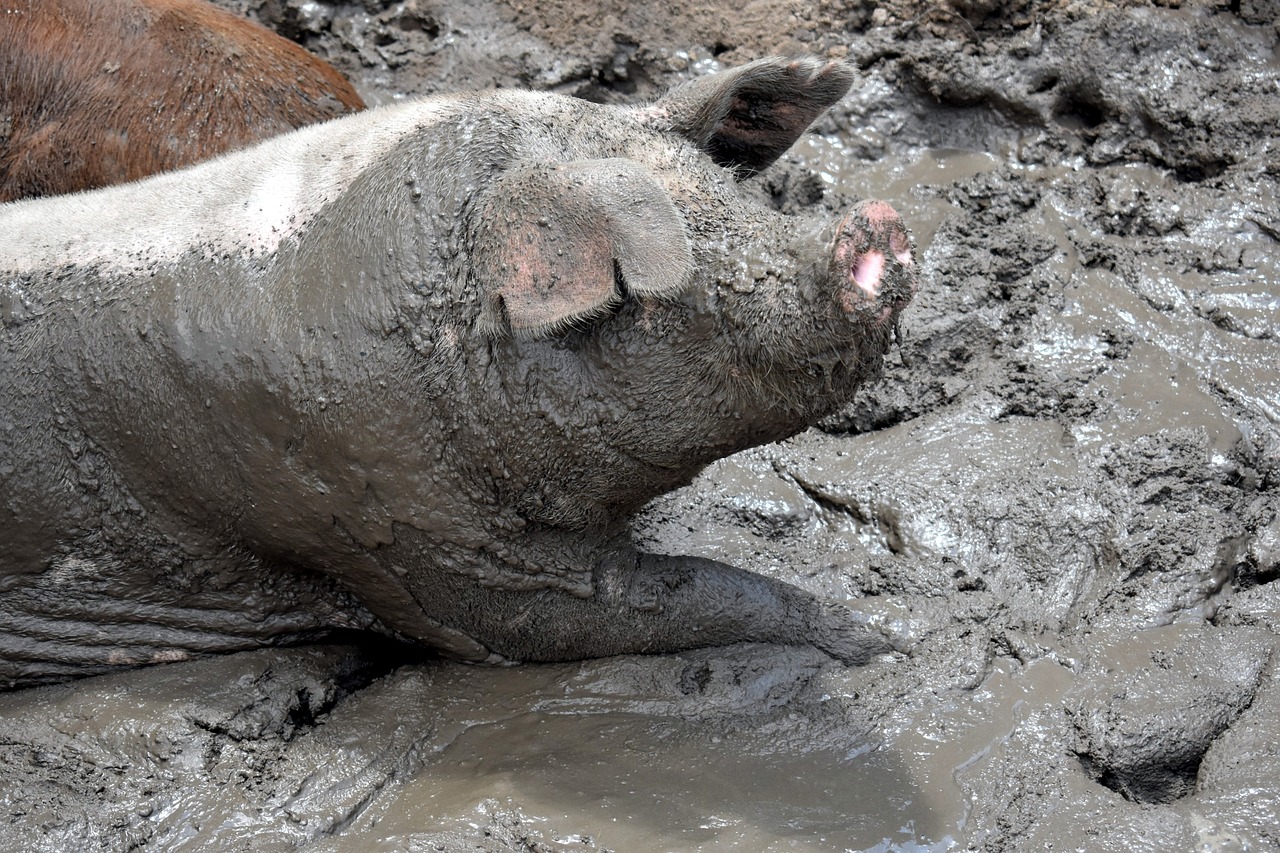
(1064, 488)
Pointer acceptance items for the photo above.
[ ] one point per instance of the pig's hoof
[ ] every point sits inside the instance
(852, 637)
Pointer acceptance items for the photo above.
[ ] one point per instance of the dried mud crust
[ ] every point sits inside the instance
(1065, 487)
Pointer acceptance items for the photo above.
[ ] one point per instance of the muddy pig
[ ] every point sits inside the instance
(412, 370)
(98, 92)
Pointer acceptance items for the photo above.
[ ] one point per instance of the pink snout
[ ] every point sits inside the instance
(874, 261)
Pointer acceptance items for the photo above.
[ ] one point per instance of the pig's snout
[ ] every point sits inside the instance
(875, 269)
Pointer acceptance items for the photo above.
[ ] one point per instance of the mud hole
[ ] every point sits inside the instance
(1066, 487)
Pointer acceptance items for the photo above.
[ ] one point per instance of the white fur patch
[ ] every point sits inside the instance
(245, 202)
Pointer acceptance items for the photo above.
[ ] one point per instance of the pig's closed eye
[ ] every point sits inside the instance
(620, 283)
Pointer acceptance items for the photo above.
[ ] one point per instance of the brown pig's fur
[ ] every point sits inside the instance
(99, 92)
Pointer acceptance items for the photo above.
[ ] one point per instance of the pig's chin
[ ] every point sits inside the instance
(835, 374)
(863, 338)
(804, 388)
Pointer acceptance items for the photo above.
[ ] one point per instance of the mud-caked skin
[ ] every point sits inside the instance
(413, 370)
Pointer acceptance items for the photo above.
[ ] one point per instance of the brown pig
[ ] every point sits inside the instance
(413, 370)
(99, 92)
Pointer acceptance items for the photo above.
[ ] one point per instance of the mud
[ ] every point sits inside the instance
(1065, 488)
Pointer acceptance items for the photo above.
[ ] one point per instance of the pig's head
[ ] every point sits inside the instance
(647, 316)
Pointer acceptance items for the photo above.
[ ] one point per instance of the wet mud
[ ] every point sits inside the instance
(1065, 488)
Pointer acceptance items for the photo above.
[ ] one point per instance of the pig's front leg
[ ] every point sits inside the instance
(670, 603)
(645, 603)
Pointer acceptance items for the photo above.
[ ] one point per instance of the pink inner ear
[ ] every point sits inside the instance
(549, 281)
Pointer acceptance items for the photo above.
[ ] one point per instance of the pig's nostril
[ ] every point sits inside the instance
(866, 271)
(901, 246)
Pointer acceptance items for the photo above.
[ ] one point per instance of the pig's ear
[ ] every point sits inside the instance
(555, 244)
(747, 117)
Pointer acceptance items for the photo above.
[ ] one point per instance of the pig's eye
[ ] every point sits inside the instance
(619, 284)
(576, 331)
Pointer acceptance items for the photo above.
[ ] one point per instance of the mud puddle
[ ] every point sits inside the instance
(909, 180)
(637, 783)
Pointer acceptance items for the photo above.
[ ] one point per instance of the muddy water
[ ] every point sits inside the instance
(632, 781)
(909, 181)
